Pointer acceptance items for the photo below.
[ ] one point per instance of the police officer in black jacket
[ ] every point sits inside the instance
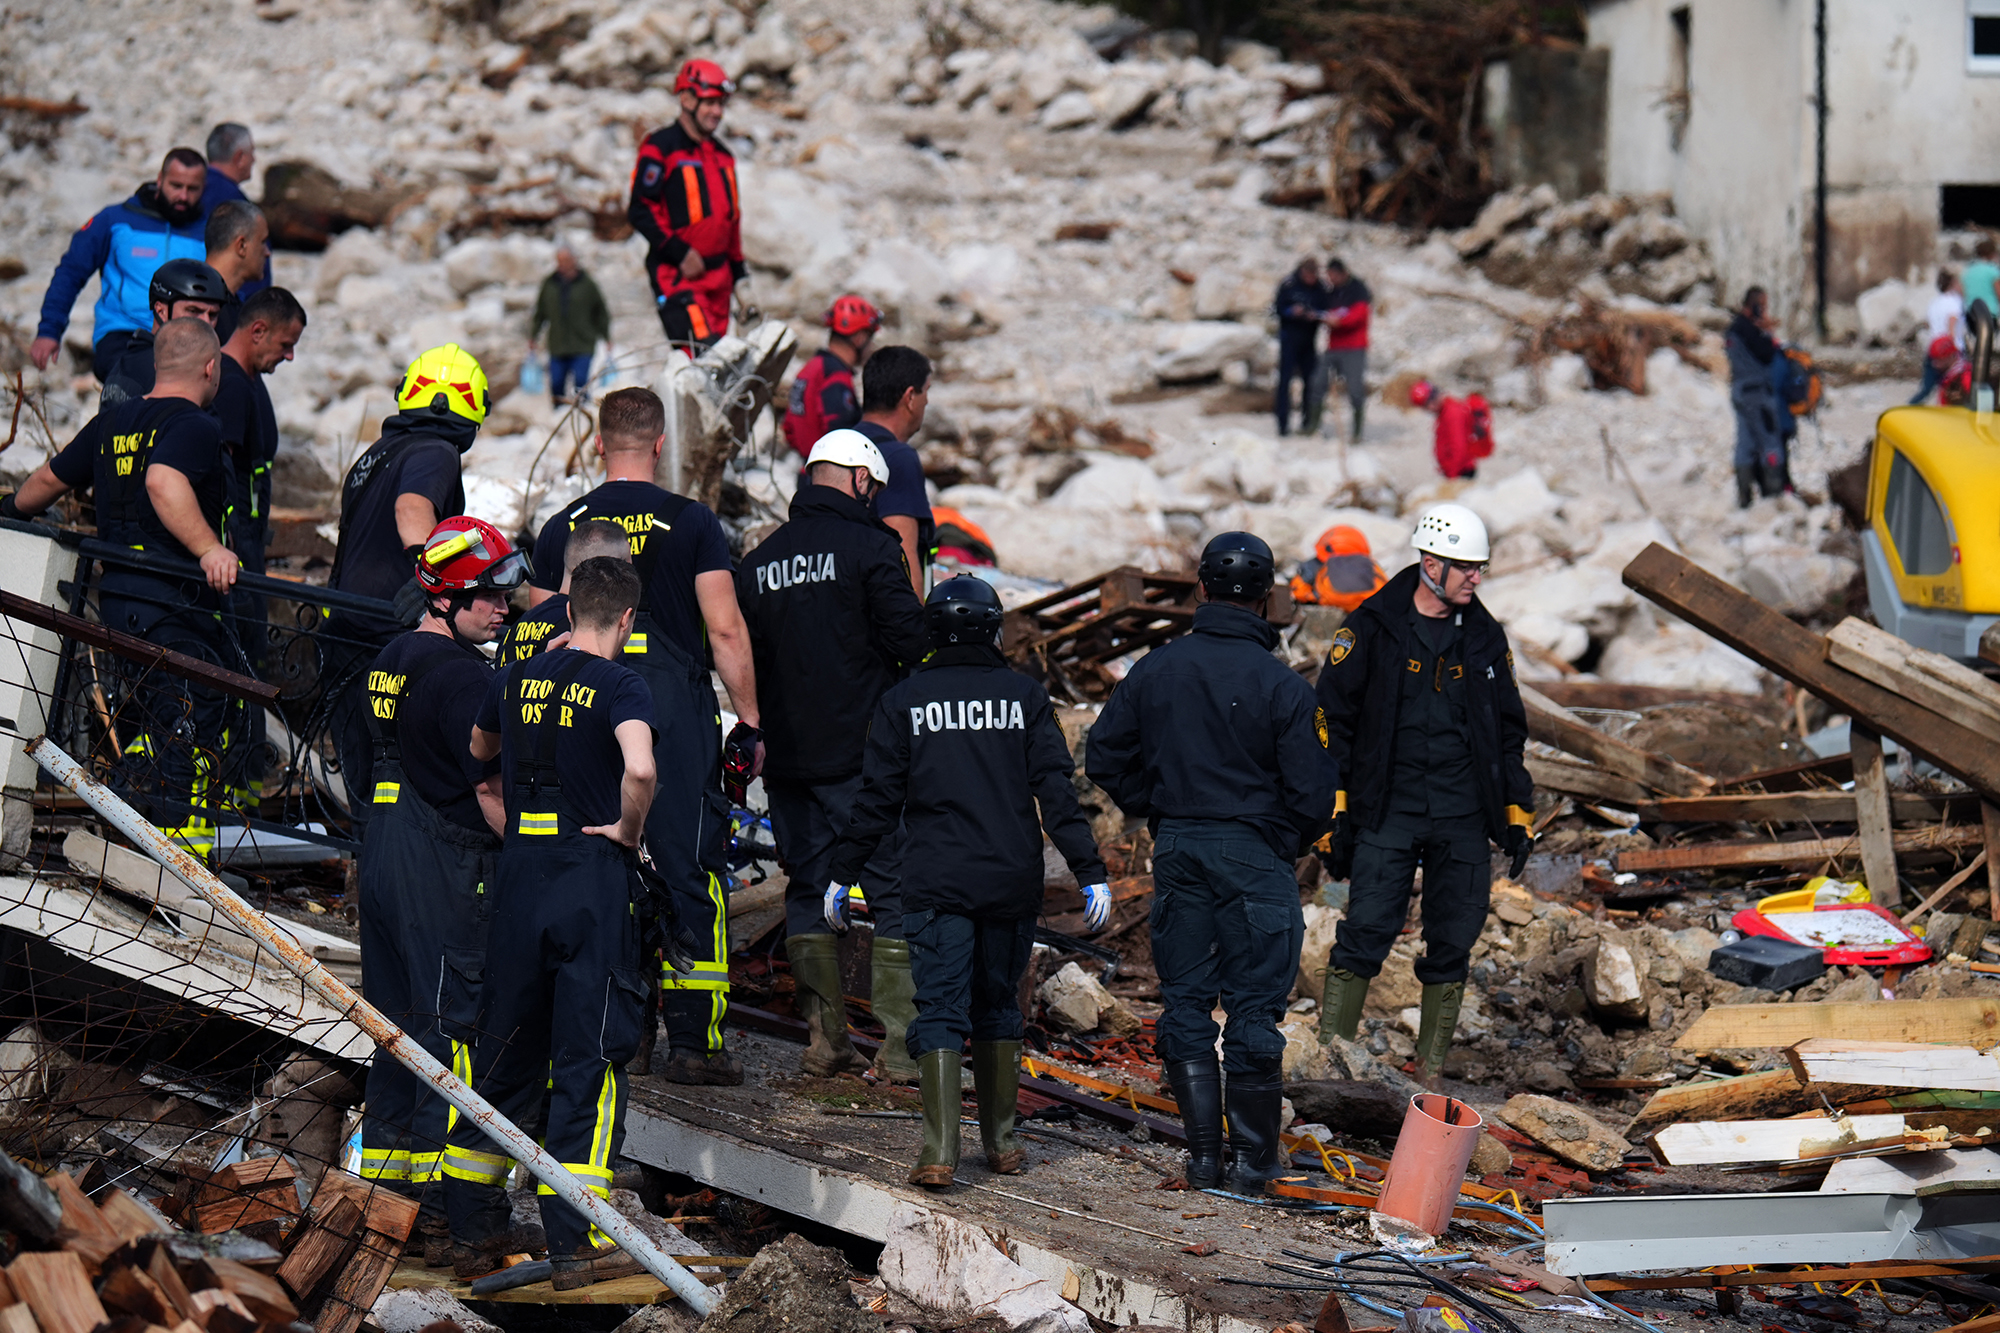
(834, 622)
(1425, 718)
(1216, 743)
(962, 752)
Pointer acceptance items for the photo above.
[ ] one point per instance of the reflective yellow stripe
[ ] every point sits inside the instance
(385, 1164)
(481, 1168)
(385, 792)
(425, 1167)
(461, 1069)
(636, 644)
(702, 976)
(1339, 802)
(533, 823)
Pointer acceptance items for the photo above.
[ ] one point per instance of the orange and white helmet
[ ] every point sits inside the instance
(464, 554)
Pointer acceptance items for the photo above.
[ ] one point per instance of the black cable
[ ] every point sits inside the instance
(1448, 1288)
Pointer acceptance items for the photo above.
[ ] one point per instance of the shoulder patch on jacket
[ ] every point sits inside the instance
(1343, 644)
(1319, 726)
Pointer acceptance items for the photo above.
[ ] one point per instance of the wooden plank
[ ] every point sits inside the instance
(83, 1229)
(1936, 896)
(1871, 817)
(246, 1177)
(1612, 695)
(18, 1318)
(638, 1289)
(260, 1292)
(1796, 653)
(1761, 1096)
(1965, 1022)
(324, 1247)
(1572, 778)
(1803, 852)
(128, 1217)
(1989, 822)
(1765, 1277)
(1552, 724)
(1802, 807)
(1813, 775)
(1946, 687)
(55, 1286)
(1713, 1142)
(1896, 1064)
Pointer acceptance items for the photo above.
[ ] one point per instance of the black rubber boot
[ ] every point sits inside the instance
(1255, 1101)
(1746, 484)
(1198, 1088)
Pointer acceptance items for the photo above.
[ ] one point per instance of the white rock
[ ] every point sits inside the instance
(1304, 1057)
(1796, 580)
(1073, 999)
(484, 261)
(1321, 923)
(357, 250)
(1552, 634)
(1044, 542)
(1676, 656)
(791, 221)
(1201, 348)
(1891, 311)
(410, 1309)
(1113, 483)
(982, 272)
(770, 48)
(903, 278)
(956, 1269)
(1611, 982)
(1564, 376)
(1251, 186)
(1068, 111)
(1516, 502)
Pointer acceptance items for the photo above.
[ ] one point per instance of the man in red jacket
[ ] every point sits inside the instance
(684, 202)
(1345, 315)
(823, 396)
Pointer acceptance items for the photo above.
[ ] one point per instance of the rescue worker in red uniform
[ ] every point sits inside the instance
(1464, 429)
(684, 202)
(823, 397)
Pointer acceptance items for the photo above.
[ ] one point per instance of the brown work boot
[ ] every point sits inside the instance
(694, 1069)
(590, 1266)
(483, 1257)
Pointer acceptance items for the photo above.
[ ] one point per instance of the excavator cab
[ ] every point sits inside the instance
(1931, 550)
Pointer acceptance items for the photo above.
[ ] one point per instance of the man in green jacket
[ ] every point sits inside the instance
(573, 310)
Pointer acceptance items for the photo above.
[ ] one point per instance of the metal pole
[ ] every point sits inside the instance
(365, 1016)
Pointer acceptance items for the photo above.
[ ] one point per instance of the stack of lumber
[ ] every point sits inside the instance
(79, 1265)
(1936, 707)
(1912, 1076)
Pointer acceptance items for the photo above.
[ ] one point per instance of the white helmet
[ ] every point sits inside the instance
(1452, 532)
(850, 448)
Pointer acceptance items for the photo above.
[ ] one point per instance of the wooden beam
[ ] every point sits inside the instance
(1715, 1142)
(1552, 724)
(1871, 817)
(1634, 698)
(1761, 1096)
(1946, 687)
(1813, 775)
(1804, 852)
(1989, 822)
(1796, 653)
(1572, 778)
(1802, 807)
(1896, 1064)
(1974, 1022)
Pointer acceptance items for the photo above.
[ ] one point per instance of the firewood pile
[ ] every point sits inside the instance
(244, 1256)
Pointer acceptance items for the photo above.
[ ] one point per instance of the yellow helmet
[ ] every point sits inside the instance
(445, 379)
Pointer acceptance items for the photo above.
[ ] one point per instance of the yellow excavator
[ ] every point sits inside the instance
(1931, 550)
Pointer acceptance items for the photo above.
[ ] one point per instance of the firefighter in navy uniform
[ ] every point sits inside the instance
(823, 396)
(1426, 720)
(684, 202)
(960, 754)
(156, 467)
(429, 853)
(834, 622)
(401, 487)
(1217, 744)
(574, 733)
(544, 627)
(689, 610)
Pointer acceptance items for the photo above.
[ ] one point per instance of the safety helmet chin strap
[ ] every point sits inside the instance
(455, 601)
(1424, 574)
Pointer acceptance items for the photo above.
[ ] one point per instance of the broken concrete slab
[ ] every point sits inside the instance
(1570, 1132)
(790, 1286)
(412, 1309)
(955, 1269)
(1952, 1171)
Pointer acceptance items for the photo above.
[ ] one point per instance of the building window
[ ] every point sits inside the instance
(1916, 522)
(1982, 36)
(1964, 206)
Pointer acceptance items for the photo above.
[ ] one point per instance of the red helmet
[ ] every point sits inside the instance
(703, 78)
(1422, 393)
(466, 553)
(851, 315)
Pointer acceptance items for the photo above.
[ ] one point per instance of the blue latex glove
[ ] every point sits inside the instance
(833, 907)
(1096, 906)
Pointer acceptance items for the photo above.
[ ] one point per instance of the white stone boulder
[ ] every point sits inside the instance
(957, 1270)
(1891, 311)
(1198, 349)
(791, 221)
(510, 261)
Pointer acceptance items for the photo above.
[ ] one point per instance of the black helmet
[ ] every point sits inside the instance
(186, 280)
(963, 610)
(1237, 567)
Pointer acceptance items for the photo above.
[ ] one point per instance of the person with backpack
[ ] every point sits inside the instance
(1464, 433)
(1760, 445)
(1944, 333)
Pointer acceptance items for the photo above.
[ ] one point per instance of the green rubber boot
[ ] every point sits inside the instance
(1340, 1004)
(894, 994)
(996, 1073)
(1435, 1027)
(943, 1090)
(816, 968)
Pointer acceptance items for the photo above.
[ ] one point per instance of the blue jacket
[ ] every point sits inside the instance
(219, 190)
(122, 245)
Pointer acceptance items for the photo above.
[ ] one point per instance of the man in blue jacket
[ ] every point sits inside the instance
(122, 245)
